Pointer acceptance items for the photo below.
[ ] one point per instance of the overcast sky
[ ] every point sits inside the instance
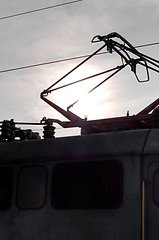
(66, 32)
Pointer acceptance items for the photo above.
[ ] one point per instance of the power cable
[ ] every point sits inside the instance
(38, 10)
(147, 45)
(65, 60)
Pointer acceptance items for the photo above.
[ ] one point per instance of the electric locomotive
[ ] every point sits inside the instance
(101, 185)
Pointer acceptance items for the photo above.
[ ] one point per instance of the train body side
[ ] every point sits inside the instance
(136, 152)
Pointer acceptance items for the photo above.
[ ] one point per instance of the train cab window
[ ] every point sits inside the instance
(6, 180)
(87, 185)
(156, 187)
(31, 187)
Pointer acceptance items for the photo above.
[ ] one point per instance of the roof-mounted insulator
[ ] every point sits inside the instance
(49, 129)
(26, 134)
(8, 131)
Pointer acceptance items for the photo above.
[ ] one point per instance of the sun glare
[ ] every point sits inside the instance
(89, 105)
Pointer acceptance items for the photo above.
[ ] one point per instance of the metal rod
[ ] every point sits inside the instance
(83, 79)
(26, 123)
(68, 115)
(47, 90)
(143, 210)
(118, 69)
(149, 108)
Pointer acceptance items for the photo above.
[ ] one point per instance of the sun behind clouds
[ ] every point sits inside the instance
(89, 105)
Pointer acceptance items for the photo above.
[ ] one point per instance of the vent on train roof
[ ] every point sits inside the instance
(6, 176)
(87, 185)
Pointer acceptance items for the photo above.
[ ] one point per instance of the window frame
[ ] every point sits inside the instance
(121, 177)
(45, 188)
(154, 188)
(10, 187)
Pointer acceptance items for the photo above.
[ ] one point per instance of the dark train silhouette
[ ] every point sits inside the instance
(103, 184)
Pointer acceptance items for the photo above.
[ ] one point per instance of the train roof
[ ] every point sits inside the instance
(134, 142)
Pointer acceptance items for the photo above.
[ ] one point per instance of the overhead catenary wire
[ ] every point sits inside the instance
(65, 60)
(38, 10)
